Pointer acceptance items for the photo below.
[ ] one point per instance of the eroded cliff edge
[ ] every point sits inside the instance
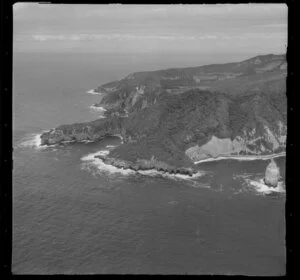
(242, 111)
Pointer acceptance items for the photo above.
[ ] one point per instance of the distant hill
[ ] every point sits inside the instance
(137, 90)
(184, 115)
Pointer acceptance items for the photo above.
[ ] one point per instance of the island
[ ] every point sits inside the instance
(171, 119)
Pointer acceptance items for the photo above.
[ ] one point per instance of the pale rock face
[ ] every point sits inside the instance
(140, 90)
(243, 143)
(270, 66)
(272, 174)
(271, 138)
(257, 61)
(213, 148)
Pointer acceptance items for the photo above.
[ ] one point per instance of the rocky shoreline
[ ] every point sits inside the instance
(242, 122)
(79, 132)
(147, 165)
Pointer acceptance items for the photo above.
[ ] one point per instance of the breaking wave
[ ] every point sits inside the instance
(91, 161)
(97, 108)
(92, 91)
(255, 183)
(262, 188)
(111, 146)
(33, 141)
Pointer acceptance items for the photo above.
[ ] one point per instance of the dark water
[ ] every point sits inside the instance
(71, 217)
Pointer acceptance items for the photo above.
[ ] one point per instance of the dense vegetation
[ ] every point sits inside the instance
(162, 113)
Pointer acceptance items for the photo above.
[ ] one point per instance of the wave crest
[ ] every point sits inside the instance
(91, 160)
(32, 141)
(92, 91)
(261, 187)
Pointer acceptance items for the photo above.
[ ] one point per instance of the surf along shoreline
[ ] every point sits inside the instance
(101, 160)
(145, 167)
(151, 165)
(241, 158)
(159, 166)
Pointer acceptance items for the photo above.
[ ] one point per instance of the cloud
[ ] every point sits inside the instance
(48, 37)
(140, 27)
(83, 37)
(89, 37)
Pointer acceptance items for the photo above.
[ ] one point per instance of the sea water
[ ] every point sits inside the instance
(74, 214)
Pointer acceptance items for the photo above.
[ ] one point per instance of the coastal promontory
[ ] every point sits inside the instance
(185, 115)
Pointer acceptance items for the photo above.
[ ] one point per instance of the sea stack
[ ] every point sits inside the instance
(272, 174)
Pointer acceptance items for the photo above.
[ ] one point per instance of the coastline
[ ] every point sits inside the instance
(33, 140)
(120, 137)
(261, 187)
(97, 108)
(242, 158)
(92, 91)
(98, 159)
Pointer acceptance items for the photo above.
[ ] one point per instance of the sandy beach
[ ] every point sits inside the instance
(242, 158)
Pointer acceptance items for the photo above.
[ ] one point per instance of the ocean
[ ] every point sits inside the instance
(74, 215)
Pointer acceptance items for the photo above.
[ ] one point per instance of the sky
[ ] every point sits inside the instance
(116, 28)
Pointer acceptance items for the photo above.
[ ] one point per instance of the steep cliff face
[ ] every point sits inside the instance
(248, 143)
(243, 112)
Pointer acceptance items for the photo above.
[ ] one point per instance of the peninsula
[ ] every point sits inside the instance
(171, 119)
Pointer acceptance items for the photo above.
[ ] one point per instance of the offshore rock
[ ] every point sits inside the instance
(272, 175)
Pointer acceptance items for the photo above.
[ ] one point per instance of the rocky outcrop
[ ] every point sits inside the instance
(143, 165)
(272, 175)
(57, 136)
(90, 131)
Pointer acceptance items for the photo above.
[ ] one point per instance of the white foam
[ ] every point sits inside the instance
(119, 136)
(90, 159)
(92, 155)
(262, 188)
(92, 91)
(97, 162)
(242, 158)
(33, 141)
(87, 141)
(97, 108)
(111, 146)
(69, 141)
(154, 172)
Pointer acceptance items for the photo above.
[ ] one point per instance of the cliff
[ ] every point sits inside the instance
(183, 115)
